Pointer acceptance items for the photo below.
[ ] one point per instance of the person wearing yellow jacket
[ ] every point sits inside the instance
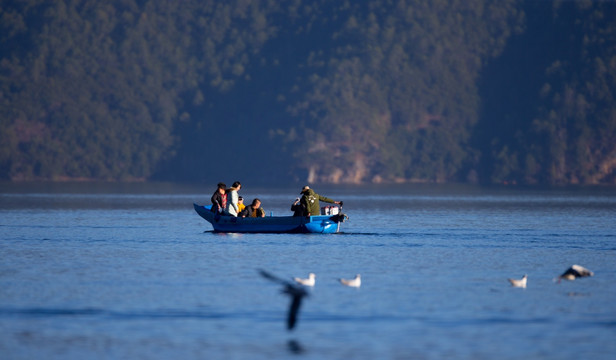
(240, 204)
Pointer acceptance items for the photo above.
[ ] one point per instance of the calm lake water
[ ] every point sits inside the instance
(93, 271)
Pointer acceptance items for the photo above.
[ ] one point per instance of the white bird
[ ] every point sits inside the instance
(296, 292)
(519, 283)
(575, 271)
(306, 282)
(351, 282)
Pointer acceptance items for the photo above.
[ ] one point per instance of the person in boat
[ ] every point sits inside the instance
(232, 196)
(310, 200)
(253, 210)
(298, 208)
(219, 199)
(240, 204)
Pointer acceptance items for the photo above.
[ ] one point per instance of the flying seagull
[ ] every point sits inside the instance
(521, 283)
(296, 293)
(575, 271)
(306, 282)
(352, 282)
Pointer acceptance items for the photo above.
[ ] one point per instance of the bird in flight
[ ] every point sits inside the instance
(575, 271)
(296, 292)
(356, 282)
(521, 283)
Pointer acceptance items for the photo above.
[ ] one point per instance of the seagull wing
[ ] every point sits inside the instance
(570, 271)
(580, 271)
(273, 278)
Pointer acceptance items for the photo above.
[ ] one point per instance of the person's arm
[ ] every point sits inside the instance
(328, 200)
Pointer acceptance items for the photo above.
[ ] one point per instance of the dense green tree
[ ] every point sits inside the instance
(333, 91)
(398, 96)
(92, 89)
(578, 121)
(572, 136)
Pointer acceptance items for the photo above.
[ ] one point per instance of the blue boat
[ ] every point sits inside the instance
(320, 224)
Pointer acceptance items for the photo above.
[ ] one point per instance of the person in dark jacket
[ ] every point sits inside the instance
(310, 200)
(298, 208)
(219, 199)
(253, 210)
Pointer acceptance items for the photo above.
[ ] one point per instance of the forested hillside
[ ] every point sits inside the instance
(320, 91)
(550, 100)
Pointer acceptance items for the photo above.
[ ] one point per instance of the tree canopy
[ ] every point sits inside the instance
(322, 91)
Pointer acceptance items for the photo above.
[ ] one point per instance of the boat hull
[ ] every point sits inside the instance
(322, 224)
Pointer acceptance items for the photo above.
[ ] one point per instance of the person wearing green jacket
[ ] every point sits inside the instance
(310, 201)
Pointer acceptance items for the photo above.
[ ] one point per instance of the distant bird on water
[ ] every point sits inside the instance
(575, 271)
(296, 293)
(352, 282)
(521, 283)
(306, 282)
